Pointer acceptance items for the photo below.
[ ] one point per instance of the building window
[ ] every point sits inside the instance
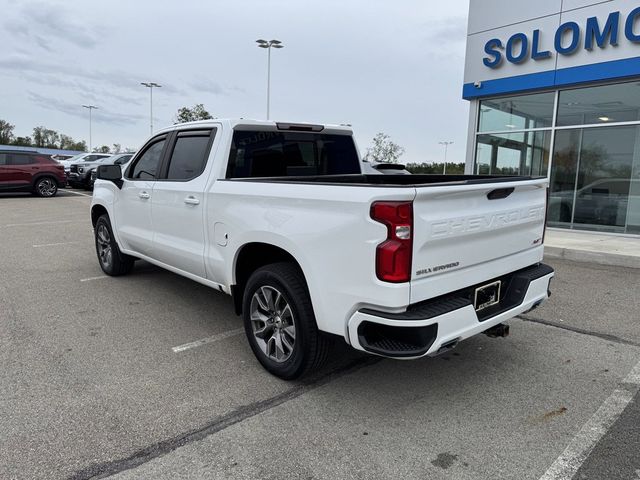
(523, 112)
(599, 105)
(595, 179)
(520, 153)
(595, 156)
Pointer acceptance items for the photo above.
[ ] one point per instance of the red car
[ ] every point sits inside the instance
(30, 171)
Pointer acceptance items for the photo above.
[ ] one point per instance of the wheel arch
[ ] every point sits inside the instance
(97, 211)
(41, 175)
(252, 256)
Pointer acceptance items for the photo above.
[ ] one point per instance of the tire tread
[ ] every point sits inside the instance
(122, 263)
(319, 345)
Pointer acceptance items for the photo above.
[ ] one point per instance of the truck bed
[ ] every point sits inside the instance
(365, 180)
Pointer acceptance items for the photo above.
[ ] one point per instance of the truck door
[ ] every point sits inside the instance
(177, 206)
(133, 208)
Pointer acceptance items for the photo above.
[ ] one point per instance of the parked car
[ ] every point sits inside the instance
(120, 159)
(30, 171)
(80, 169)
(603, 202)
(60, 157)
(281, 217)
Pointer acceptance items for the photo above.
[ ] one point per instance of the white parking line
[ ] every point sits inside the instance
(42, 223)
(567, 464)
(76, 193)
(205, 341)
(93, 278)
(54, 244)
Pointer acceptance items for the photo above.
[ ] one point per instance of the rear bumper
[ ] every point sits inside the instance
(425, 328)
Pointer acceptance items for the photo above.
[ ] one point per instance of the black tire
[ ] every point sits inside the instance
(311, 347)
(45, 187)
(112, 261)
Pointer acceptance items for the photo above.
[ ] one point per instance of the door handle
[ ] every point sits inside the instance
(144, 195)
(191, 200)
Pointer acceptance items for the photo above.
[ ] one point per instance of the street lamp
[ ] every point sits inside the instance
(90, 107)
(446, 147)
(150, 86)
(269, 45)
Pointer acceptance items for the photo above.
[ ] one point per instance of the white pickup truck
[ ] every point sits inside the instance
(282, 218)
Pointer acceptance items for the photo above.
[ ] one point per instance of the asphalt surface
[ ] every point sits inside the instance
(92, 387)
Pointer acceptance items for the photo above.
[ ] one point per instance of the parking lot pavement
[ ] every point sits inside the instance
(94, 385)
(594, 298)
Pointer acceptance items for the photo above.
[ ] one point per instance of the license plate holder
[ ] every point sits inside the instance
(487, 295)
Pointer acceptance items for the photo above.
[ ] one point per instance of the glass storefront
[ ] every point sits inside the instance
(595, 156)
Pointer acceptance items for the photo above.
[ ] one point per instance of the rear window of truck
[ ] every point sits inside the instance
(290, 154)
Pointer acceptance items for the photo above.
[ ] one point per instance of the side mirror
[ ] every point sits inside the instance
(111, 173)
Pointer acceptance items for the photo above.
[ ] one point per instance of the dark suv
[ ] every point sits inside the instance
(80, 169)
(26, 171)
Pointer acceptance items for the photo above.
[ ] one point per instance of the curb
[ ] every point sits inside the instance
(599, 258)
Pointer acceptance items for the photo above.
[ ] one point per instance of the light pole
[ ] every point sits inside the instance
(269, 45)
(150, 86)
(446, 147)
(90, 107)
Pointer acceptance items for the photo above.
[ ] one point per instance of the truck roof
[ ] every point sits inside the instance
(232, 123)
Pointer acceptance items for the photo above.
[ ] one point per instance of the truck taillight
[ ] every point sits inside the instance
(393, 256)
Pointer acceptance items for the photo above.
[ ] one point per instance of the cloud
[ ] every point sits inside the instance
(40, 20)
(99, 82)
(76, 110)
(446, 39)
(208, 86)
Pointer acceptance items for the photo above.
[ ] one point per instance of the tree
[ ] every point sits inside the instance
(383, 150)
(23, 142)
(65, 142)
(197, 112)
(117, 148)
(68, 143)
(6, 132)
(435, 168)
(44, 137)
(102, 149)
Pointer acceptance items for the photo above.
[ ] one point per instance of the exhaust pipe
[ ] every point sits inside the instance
(500, 330)
(448, 346)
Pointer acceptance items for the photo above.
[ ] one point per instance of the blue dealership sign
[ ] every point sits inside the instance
(568, 39)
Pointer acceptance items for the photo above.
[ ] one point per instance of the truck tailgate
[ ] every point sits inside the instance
(460, 230)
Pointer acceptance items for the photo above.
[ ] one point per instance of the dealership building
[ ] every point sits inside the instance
(554, 88)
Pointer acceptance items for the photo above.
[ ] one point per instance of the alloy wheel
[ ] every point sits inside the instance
(47, 187)
(273, 324)
(105, 252)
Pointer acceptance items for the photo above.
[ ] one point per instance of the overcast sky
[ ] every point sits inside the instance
(393, 67)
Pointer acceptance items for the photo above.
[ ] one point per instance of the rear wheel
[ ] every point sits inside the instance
(45, 187)
(280, 324)
(112, 261)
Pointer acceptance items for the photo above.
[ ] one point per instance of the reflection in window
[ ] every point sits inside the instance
(525, 153)
(517, 113)
(591, 181)
(600, 105)
(146, 168)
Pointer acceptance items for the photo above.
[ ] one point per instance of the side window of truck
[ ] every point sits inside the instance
(189, 156)
(147, 165)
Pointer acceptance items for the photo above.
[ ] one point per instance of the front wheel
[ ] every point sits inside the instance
(112, 261)
(280, 324)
